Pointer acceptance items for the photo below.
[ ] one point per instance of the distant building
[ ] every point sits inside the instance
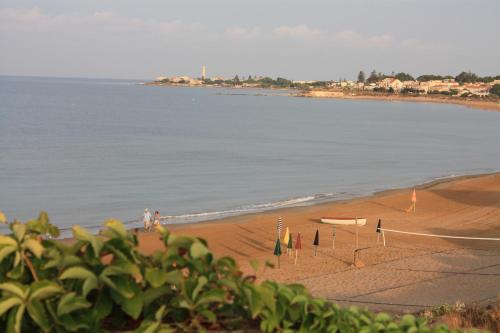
(203, 72)
(391, 82)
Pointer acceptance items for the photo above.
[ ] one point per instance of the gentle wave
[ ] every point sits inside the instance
(248, 209)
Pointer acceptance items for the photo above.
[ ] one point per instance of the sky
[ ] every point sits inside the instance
(299, 40)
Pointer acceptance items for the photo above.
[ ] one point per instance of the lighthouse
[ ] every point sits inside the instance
(203, 72)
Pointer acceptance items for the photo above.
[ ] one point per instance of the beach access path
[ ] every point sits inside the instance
(408, 275)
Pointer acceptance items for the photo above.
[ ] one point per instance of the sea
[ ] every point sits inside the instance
(85, 150)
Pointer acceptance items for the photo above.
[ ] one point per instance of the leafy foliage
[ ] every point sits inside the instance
(431, 77)
(361, 77)
(103, 283)
(404, 77)
(495, 90)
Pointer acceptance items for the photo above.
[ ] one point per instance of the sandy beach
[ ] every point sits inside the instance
(475, 103)
(409, 274)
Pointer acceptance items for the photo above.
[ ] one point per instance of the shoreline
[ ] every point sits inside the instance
(477, 104)
(327, 202)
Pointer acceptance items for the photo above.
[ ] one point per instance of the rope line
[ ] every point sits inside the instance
(440, 236)
(379, 303)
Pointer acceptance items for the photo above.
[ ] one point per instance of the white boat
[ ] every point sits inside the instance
(344, 220)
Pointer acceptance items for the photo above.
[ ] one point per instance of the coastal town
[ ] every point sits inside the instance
(465, 84)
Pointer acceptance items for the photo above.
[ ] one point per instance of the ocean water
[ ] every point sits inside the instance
(86, 150)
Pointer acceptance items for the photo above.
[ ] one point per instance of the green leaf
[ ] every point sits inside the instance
(71, 302)
(81, 274)
(73, 325)
(81, 234)
(19, 317)
(37, 312)
(209, 315)
(198, 250)
(44, 289)
(120, 284)
(151, 294)
(19, 230)
(255, 264)
(117, 227)
(6, 251)
(156, 277)
(34, 246)
(7, 240)
(15, 289)
(103, 305)
(148, 327)
(382, 317)
(7, 303)
(133, 307)
(254, 300)
(202, 281)
(160, 313)
(213, 295)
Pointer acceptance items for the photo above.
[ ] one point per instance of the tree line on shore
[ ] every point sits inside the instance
(374, 77)
(463, 77)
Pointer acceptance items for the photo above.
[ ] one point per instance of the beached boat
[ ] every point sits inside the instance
(344, 220)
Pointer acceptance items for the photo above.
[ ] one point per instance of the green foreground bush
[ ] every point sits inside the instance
(103, 284)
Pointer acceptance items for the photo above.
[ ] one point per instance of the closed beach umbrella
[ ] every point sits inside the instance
(287, 236)
(277, 250)
(414, 200)
(316, 241)
(298, 247)
(289, 246)
(298, 243)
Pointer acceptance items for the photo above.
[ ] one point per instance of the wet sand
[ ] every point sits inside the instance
(407, 275)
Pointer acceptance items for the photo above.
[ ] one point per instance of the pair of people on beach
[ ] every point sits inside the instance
(151, 221)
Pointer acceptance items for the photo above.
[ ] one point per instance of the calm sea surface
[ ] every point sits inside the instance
(87, 150)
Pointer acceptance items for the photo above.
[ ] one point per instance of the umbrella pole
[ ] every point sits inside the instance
(296, 256)
(357, 237)
(278, 261)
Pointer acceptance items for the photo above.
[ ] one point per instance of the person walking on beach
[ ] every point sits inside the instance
(147, 220)
(156, 222)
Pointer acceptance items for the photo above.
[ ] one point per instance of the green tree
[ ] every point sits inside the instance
(430, 77)
(374, 77)
(495, 90)
(236, 79)
(404, 77)
(467, 77)
(361, 77)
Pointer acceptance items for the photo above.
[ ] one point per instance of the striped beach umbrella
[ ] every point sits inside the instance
(279, 226)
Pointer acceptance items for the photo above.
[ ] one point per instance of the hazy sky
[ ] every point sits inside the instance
(307, 39)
